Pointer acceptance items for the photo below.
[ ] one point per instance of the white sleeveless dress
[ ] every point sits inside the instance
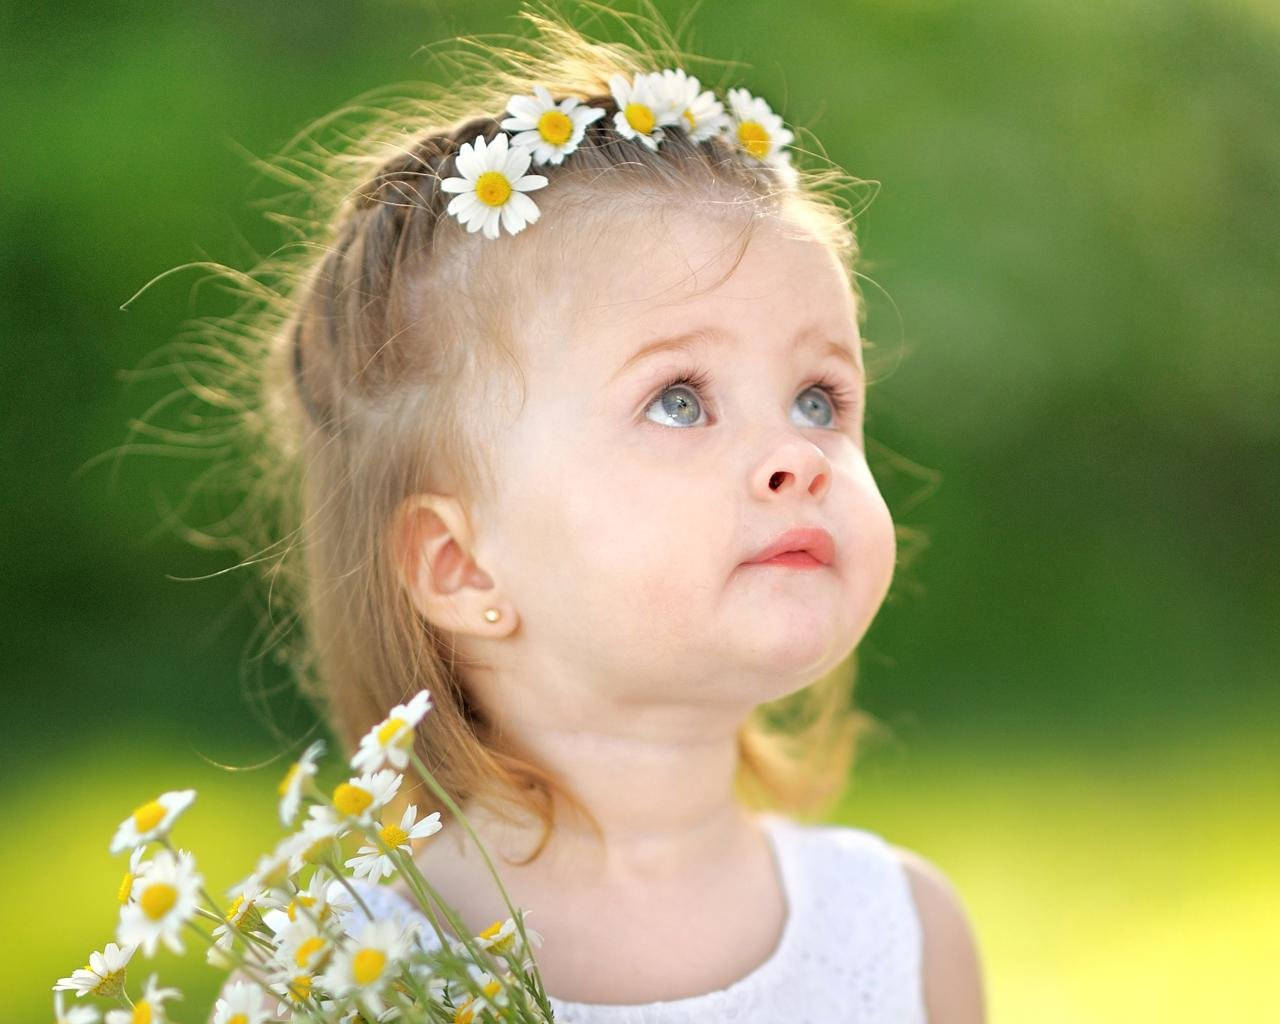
(850, 949)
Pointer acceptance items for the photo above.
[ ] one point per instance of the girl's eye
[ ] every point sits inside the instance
(678, 399)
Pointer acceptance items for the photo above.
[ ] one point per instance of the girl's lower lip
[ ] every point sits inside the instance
(794, 559)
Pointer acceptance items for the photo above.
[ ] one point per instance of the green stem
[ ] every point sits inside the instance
(456, 811)
(241, 963)
(332, 864)
(518, 918)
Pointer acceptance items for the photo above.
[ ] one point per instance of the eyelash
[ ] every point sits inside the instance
(843, 398)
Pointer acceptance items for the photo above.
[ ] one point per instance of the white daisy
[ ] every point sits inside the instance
(273, 869)
(151, 820)
(493, 186)
(759, 131)
(75, 1015)
(136, 866)
(551, 131)
(701, 114)
(493, 997)
(103, 975)
(360, 797)
(391, 740)
(301, 946)
(241, 1005)
(295, 779)
(315, 840)
(165, 896)
(371, 863)
(297, 987)
(504, 937)
(244, 912)
(366, 965)
(148, 1008)
(644, 106)
(323, 898)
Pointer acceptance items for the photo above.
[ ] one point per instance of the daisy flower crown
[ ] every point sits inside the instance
(491, 186)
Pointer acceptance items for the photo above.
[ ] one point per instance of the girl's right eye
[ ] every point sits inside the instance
(678, 395)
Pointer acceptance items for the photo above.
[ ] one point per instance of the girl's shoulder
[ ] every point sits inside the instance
(895, 892)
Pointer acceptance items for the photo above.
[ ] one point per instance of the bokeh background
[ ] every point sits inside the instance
(1074, 259)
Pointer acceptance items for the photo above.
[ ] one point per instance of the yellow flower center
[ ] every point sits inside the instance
(300, 987)
(314, 853)
(351, 800)
(148, 816)
(367, 965)
(640, 117)
(235, 906)
(392, 726)
(289, 776)
(754, 139)
(238, 1018)
(504, 944)
(394, 835)
(493, 188)
(141, 1012)
(158, 899)
(555, 127)
(688, 116)
(492, 989)
(308, 949)
(126, 887)
(464, 1014)
(110, 985)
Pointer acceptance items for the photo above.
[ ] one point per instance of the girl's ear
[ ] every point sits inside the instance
(431, 543)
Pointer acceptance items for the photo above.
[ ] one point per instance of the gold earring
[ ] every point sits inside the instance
(492, 614)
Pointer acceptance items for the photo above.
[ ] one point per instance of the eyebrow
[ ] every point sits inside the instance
(813, 337)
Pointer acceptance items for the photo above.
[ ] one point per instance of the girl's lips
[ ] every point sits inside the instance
(793, 559)
(814, 542)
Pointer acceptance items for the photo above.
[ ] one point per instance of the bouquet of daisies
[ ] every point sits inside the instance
(302, 943)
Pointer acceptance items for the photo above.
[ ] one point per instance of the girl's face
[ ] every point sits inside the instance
(628, 509)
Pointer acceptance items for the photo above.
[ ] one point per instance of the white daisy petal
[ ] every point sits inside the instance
(524, 206)
(511, 220)
(516, 162)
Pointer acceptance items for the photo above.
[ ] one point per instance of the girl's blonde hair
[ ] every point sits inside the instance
(349, 375)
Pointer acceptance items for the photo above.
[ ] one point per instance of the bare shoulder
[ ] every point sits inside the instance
(953, 985)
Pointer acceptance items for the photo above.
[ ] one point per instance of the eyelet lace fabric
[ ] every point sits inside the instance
(851, 949)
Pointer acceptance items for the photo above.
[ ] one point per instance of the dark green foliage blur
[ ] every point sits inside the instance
(1073, 267)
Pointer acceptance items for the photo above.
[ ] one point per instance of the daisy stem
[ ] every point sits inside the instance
(332, 865)
(422, 899)
(456, 811)
(241, 962)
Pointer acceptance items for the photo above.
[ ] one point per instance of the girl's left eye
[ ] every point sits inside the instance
(683, 408)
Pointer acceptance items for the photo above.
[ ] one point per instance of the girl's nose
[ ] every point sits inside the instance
(794, 463)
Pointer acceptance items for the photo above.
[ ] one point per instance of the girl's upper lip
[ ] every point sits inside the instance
(813, 539)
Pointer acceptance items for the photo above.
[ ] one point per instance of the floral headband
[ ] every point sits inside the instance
(493, 184)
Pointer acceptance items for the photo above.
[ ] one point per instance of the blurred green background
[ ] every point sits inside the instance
(1076, 251)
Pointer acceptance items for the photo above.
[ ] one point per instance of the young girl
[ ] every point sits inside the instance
(572, 398)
